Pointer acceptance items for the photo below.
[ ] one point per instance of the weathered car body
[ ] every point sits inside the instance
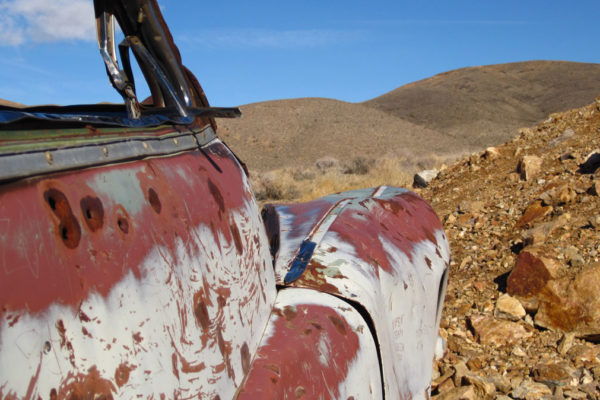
(135, 261)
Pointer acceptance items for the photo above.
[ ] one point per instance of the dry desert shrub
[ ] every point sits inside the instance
(304, 184)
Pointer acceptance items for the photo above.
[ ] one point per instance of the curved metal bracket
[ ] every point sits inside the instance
(118, 78)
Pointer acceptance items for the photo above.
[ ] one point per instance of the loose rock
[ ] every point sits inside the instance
(534, 268)
(591, 163)
(529, 167)
(509, 307)
(572, 305)
(423, 178)
(530, 390)
(489, 330)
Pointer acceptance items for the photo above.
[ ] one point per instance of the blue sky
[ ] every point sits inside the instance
(249, 51)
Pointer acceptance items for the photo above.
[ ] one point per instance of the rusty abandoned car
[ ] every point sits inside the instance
(136, 263)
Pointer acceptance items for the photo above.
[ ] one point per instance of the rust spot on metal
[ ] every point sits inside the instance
(93, 212)
(174, 365)
(245, 356)
(428, 262)
(68, 227)
(299, 392)
(13, 319)
(89, 386)
(225, 348)
(122, 374)
(338, 324)
(154, 200)
(123, 224)
(217, 196)
(317, 325)
(53, 394)
(221, 302)
(137, 337)
(289, 312)
(189, 368)
(201, 311)
(83, 317)
(307, 331)
(237, 239)
(60, 326)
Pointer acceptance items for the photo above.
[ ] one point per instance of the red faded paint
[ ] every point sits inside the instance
(402, 220)
(63, 239)
(81, 386)
(289, 365)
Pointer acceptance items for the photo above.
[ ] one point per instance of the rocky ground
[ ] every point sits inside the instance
(522, 311)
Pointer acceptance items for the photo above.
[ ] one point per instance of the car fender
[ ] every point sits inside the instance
(384, 251)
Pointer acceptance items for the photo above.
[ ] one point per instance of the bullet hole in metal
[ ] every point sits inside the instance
(47, 347)
(154, 200)
(68, 228)
(93, 212)
(64, 232)
(123, 225)
(51, 203)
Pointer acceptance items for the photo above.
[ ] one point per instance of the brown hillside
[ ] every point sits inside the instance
(10, 103)
(449, 114)
(482, 106)
(298, 132)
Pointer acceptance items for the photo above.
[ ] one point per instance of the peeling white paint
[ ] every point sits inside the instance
(146, 324)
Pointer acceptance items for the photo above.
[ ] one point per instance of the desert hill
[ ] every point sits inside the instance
(10, 103)
(483, 105)
(298, 132)
(449, 114)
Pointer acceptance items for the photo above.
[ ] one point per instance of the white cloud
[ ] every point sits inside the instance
(23, 21)
(259, 38)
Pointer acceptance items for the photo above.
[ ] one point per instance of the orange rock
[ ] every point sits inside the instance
(534, 212)
(534, 268)
(489, 330)
(572, 305)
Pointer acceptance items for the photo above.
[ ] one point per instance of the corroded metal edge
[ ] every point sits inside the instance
(21, 165)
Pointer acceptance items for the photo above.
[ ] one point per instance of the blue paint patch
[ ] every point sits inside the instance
(299, 264)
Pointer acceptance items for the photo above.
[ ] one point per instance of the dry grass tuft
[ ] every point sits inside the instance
(304, 184)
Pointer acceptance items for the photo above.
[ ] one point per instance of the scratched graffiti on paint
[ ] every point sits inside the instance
(139, 292)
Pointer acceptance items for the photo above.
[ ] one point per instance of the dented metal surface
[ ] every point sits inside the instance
(384, 249)
(112, 285)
